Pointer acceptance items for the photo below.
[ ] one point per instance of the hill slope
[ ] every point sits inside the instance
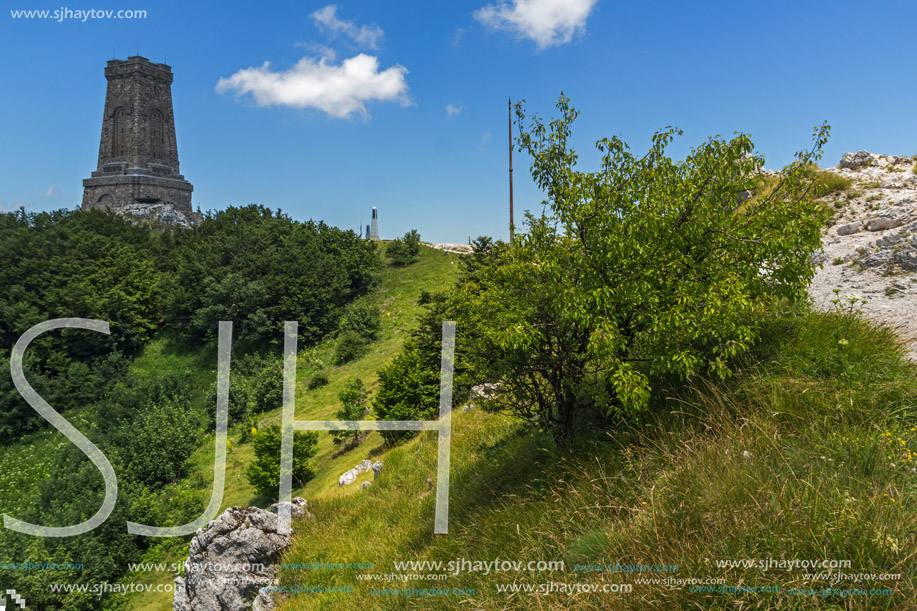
(396, 294)
(807, 453)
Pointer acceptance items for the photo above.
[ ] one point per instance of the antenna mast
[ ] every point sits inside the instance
(509, 116)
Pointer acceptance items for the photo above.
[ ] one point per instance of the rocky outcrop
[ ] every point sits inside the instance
(231, 560)
(865, 159)
(158, 215)
(871, 250)
(350, 476)
(459, 249)
(481, 392)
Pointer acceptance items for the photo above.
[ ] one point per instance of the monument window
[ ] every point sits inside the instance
(119, 139)
(157, 135)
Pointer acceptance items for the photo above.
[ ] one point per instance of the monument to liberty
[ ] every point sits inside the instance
(138, 171)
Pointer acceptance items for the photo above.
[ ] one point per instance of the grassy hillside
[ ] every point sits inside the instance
(808, 452)
(396, 295)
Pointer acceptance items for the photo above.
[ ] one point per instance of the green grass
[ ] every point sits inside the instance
(826, 183)
(826, 408)
(396, 295)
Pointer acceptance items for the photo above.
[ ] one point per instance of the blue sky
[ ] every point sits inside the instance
(402, 105)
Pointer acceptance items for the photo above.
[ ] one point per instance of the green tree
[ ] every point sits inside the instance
(264, 472)
(259, 268)
(354, 406)
(239, 402)
(647, 267)
(267, 393)
(404, 250)
(408, 390)
(350, 346)
(362, 317)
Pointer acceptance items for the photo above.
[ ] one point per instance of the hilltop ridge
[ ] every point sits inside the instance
(870, 248)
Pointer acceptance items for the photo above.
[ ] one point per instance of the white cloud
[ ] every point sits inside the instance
(547, 22)
(454, 110)
(318, 49)
(52, 191)
(457, 37)
(484, 140)
(365, 35)
(339, 90)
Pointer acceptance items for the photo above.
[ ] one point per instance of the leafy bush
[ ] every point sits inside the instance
(412, 242)
(362, 317)
(156, 444)
(404, 250)
(239, 402)
(354, 405)
(408, 390)
(249, 428)
(350, 346)
(264, 472)
(267, 394)
(318, 379)
(647, 268)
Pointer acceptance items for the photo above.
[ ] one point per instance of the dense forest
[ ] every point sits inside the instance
(249, 265)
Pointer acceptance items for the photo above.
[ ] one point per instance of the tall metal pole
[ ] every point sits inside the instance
(509, 115)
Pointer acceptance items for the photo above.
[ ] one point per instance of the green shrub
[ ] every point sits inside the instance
(408, 390)
(154, 446)
(267, 394)
(642, 271)
(264, 472)
(354, 405)
(318, 379)
(397, 253)
(248, 428)
(412, 242)
(239, 402)
(362, 317)
(235, 265)
(404, 250)
(349, 347)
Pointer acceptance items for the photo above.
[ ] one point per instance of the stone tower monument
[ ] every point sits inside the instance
(138, 172)
(374, 226)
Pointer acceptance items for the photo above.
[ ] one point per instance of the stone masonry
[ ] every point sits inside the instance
(138, 154)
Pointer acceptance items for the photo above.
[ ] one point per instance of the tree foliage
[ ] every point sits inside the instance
(354, 406)
(404, 250)
(264, 472)
(260, 268)
(646, 267)
(362, 317)
(349, 347)
(250, 265)
(408, 390)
